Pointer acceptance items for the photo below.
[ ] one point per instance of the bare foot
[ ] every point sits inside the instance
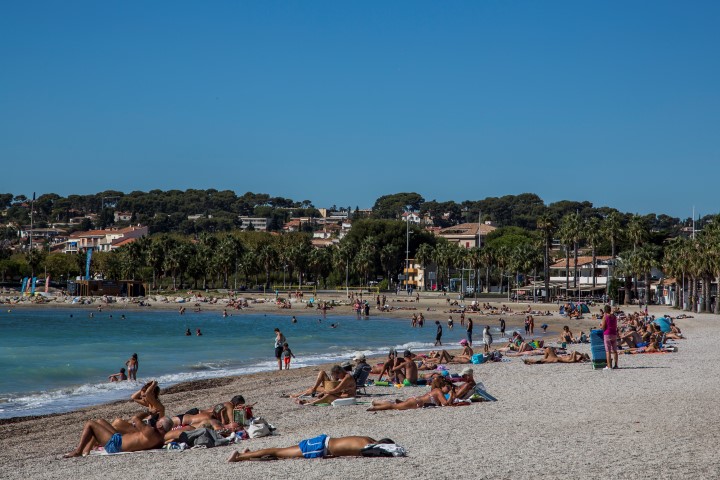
(72, 454)
(300, 401)
(235, 457)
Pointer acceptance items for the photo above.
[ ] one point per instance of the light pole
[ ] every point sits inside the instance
(284, 270)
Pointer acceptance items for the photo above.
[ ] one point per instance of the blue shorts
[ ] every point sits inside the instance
(114, 445)
(314, 447)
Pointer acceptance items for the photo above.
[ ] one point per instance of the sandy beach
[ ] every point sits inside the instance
(652, 418)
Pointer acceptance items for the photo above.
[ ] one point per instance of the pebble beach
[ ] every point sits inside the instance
(654, 417)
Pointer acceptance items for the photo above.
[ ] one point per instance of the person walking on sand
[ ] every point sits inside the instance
(610, 333)
(438, 334)
(132, 366)
(280, 340)
(468, 330)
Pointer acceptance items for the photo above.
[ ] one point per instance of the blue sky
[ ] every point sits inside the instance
(617, 103)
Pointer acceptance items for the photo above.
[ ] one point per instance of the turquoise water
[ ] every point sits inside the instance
(56, 360)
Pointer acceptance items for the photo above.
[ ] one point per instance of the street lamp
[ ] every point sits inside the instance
(408, 209)
(284, 269)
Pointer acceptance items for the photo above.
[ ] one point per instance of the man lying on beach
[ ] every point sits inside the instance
(347, 388)
(141, 437)
(551, 356)
(321, 446)
(147, 396)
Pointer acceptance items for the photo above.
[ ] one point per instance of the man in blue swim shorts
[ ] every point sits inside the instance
(314, 447)
(114, 445)
(141, 436)
(321, 446)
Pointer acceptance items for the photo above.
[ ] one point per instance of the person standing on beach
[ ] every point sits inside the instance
(502, 328)
(286, 355)
(132, 367)
(487, 339)
(280, 340)
(610, 333)
(438, 334)
(468, 330)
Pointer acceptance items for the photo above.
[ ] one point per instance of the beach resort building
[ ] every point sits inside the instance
(258, 223)
(560, 273)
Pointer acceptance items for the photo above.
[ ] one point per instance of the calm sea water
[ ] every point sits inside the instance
(56, 360)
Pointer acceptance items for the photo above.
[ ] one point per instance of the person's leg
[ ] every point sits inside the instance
(122, 426)
(409, 404)
(267, 454)
(615, 356)
(93, 431)
(322, 376)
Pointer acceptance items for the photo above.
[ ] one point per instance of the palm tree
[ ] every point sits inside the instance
(475, 259)
(645, 260)
(626, 268)
(593, 235)
(423, 255)
(611, 228)
(546, 224)
(567, 235)
(637, 233)
(267, 257)
(675, 263)
(343, 255)
(389, 258)
(365, 258)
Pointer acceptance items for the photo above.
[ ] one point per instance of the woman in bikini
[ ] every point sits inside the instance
(436, 397)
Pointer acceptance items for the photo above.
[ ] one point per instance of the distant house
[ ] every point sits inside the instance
(467, 235)
(123, 216)
(601, 272)
(411, 217)
(103, 240)
(295, 224)
(258, 223)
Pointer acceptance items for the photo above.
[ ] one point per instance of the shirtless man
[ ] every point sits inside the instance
(407, 369)
(321, 446)
(347, 388)
(141, 437)
(552, 357)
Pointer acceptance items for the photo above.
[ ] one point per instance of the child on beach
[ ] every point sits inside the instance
(286, 354)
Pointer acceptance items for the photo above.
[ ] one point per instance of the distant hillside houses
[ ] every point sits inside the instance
(102, 240)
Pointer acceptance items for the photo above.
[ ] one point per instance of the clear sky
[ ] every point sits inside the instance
(341, 102)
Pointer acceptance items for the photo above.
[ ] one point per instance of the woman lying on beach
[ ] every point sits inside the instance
(321, 446)
(441, 394)
(551, 356)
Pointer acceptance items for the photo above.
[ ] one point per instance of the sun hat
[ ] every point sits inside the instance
(359, 357)
(463, 342)
(466, 371)
(346, 365)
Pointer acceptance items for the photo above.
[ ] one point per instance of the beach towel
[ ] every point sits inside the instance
(597, 349)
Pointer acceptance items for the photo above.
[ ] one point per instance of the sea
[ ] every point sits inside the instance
(58, 360)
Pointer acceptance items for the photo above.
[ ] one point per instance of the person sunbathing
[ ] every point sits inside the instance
(141, 437)
(347, 388)
(468, 387)
(434, 398)
(147, 396)
(551, 356)
(407, 370)
(386, 368)
(321, 446)
(631, 338)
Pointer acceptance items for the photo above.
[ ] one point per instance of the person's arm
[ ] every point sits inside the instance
(342, 386)
(603, 323)
(153, 402)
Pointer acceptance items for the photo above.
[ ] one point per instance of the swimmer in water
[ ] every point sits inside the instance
(198, 333)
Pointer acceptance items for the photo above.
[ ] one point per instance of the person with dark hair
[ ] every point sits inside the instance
(132, 366)
(610, 333)
(116, 377)
(321, 446)
(438, 333)
(407, 370)
(279, 342)
(147, 396)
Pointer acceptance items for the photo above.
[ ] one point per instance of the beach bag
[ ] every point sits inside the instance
(477, 358)
(257, 428)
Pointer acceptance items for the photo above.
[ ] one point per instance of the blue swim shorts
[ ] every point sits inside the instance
(114, 445)
(314, 447)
